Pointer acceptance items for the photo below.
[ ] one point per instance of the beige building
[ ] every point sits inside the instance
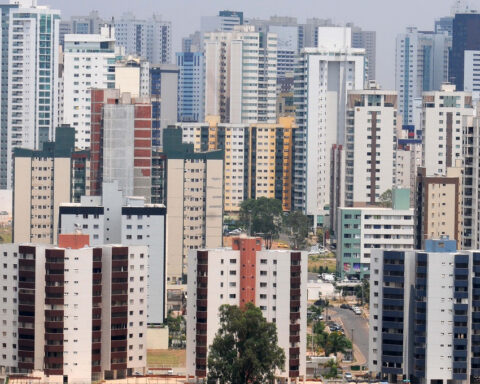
(438, 206)
(132, 75)
(194, 200)
(42, 181)
(258, 157)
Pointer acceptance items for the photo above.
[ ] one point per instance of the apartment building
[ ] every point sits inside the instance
(114, 218)
(88, 62)
(321, 114)
(29, 89)
(274, 280)
(471, 209)
(164, 89)
(67, 312)
(258, 157)
(190, 86)
(442, 122)
(438, 205)
(224, 21)
(80, 175)
(408, 156)
(90, 24)
(121, 147)
(424, 317)
(241, 75)
(149, 38)
(370, 144)
(42, 181)
(194, 197)
(421, 65)
(361, 230)
(132, 75)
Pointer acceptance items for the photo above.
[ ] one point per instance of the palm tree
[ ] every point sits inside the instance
(337, 342)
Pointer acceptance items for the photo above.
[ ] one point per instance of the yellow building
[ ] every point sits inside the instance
(258, 157)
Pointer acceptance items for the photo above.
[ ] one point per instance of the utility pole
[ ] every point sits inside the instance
(353, 354)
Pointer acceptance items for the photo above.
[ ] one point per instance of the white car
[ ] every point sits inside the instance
(357, 311)
(348, 376)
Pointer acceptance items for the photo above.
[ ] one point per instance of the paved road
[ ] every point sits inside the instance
(357, 323)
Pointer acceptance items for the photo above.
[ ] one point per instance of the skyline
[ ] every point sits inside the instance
(188, 20)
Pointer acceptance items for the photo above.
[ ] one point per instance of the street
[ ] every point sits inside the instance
(356, 322)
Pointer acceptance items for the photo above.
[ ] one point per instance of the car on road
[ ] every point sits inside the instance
(348, 376)
(357, 311)
(345, 306)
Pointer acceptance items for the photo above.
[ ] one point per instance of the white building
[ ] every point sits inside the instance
(323, 78)
(471, 182)
(29, 85)
(89, 62)
(360, 230)
(471, 73)
(113, 218)
(430, 296)
(149, 38)
(275, 281)
(421, 64)
(241, 75)
(224, 21)
(442, 123)
(370, 144)
(67, 312)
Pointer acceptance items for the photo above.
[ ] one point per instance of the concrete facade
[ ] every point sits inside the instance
(114, 218)
(321, 116)
(29, 101)
(429, 295)
(89, 62)
(194, 198)
(285, 303)
(438, 206)
(241, 76)
(69, 312)
(360, 231)
(42, 181)
(442, 122)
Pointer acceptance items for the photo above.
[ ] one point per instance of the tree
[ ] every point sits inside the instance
(332, 369)
(245, 348)
(296, 225)
(362, 291)
(262, 215)
(337, 342)
(176, 330)
(386, 199)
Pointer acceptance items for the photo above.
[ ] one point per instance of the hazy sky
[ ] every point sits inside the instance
(387, 17)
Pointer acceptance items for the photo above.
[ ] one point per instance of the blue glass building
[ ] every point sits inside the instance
(190, 86)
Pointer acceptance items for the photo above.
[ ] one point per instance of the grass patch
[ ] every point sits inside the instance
(6, 235)
(316, 263)
(171, 358)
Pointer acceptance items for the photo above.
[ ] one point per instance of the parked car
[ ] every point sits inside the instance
(348, 376)
(358, 311)
(345, 306)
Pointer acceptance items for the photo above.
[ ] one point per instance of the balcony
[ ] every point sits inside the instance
(294, 316)
(54, 336)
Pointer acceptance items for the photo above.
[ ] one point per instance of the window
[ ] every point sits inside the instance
(232, 296)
